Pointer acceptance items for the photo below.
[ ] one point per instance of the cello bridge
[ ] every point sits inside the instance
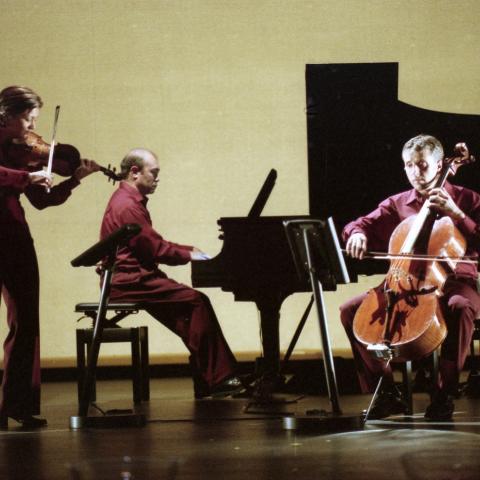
(398, 273)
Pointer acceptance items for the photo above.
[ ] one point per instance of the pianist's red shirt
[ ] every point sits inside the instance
(148, 248)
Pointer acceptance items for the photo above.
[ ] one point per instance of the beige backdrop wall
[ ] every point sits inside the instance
(217, 89)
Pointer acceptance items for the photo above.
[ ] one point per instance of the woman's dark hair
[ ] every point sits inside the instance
(15, 100)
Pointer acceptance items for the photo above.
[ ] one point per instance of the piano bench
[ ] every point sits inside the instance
(113, 333)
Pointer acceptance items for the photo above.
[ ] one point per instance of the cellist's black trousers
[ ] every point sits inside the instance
(460, 303)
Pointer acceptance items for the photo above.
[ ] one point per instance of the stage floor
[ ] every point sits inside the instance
(218, 439)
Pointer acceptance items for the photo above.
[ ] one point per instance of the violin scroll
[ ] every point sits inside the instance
(111, 174)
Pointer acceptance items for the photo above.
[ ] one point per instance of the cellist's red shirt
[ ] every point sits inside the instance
(148, 248)
(379, 225)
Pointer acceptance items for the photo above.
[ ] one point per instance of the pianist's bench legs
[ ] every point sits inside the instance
(106, 251)
(138, 338)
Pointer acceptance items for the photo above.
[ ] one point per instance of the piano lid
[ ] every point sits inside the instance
(263, 194)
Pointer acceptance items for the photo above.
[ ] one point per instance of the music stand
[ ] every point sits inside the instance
(106, 251)
(319, 262)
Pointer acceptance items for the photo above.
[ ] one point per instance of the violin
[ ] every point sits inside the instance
(402, 316)
(33, 154)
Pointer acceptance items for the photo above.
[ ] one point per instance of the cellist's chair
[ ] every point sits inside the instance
(472, 386)
(407, 379)
(113, 333)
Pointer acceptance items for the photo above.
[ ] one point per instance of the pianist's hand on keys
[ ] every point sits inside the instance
(197, 254)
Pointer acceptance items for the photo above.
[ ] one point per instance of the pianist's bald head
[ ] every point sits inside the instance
(140, 169)
(134, 158)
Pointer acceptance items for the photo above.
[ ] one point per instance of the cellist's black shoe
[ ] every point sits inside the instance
(441, 408)
(388, 402)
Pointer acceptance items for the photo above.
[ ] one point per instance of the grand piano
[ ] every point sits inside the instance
(356, 127)
(255, 264)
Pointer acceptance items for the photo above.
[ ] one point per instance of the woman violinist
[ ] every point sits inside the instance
(459, 300)
(19, 277)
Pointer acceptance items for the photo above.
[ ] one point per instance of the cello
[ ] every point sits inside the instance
(401, 319)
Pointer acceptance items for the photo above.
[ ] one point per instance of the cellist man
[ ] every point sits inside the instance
(460, 300)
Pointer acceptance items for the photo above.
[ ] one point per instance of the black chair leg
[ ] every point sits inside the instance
(144, 363)
(80, 362)
(472, 385)
(407, 387)
(93, 396)
(136, 366)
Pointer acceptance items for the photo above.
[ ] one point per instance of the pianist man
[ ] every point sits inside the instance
(137, 278)
(460, 300)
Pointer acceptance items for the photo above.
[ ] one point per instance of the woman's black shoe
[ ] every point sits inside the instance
(27, 422)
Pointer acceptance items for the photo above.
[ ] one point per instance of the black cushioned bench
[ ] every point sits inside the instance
(113, 333)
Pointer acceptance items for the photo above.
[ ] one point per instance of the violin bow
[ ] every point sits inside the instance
(52, 144)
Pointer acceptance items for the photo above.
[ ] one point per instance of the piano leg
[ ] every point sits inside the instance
(271, 378)
(269, 320)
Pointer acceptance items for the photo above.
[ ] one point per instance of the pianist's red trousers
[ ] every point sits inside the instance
(186, 312)
(460, 303)
(19, 281)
